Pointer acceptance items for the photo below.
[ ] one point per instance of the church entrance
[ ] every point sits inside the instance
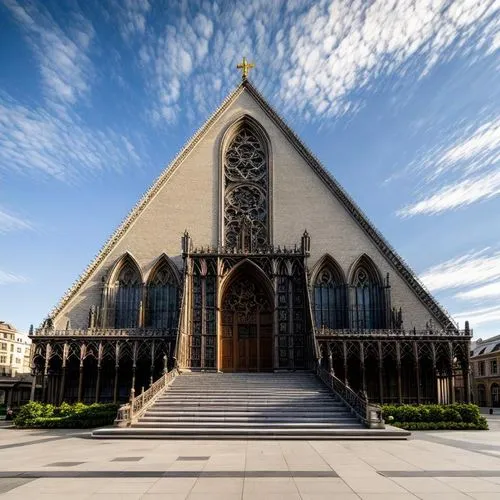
(247, 326)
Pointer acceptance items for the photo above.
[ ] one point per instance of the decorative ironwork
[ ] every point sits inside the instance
(330, 332)
(137, 407)
(244, 299)
(107, 332)
(368, 414)
(246, 192)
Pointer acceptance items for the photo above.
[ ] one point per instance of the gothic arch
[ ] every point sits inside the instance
(329, 300)
(245, 143)
(162, 260)
(366, 263)
(368, 297)
(124, 294)
(246, 318)
(162, 295)
(239, 269)
(126, 259)
(327, 261)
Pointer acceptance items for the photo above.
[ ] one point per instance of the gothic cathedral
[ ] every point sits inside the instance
(246, 255)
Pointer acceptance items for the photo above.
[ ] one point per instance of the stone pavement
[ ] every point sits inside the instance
(68, 465)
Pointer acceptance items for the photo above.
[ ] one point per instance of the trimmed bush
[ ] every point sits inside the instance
(435, 417)
(481, 425)
(76, 416)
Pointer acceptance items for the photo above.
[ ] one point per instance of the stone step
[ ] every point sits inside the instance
(248, 406)
(252, 425)
(254, 400)
(248, 433)
(266, 420)
(232, 413)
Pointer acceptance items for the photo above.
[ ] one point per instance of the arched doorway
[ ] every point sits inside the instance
(247, 325)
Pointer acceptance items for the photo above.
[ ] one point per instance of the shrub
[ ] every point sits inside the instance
(78, 415)
(434, 417)
(433, 426)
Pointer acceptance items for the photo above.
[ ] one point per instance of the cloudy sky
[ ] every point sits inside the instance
(400, 100)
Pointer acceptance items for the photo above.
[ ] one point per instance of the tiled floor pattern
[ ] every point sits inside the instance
(440, 466)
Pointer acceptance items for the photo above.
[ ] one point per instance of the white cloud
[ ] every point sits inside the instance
(479, 316)
(469, 269)
(479, 150)
(470, 167)
(492, 290)
(39, 140)
(10, 222)
(131, 16)
(319, 55)
(456, 195)
(61, 51)
(9, 278)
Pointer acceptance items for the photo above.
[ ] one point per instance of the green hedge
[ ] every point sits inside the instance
(435, 417)
(76, 416)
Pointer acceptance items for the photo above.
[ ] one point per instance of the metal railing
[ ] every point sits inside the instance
(107, 332)
(380, 333)
(129, 413)
(369, 414)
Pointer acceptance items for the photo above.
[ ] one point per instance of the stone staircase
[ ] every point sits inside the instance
(248, 406)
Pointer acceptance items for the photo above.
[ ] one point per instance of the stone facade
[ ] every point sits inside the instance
(190, 196)
(485, 359)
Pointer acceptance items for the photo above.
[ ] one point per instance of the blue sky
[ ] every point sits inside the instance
(400, 100)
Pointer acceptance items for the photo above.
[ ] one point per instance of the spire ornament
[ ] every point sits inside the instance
(245, 66)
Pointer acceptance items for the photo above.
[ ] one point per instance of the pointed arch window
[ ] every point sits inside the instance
(368, 299)
(246, 220)
(128, 288)
(330, 304)
(162, 298)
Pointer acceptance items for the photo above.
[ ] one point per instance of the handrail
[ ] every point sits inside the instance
(129, 413)
(369, 414)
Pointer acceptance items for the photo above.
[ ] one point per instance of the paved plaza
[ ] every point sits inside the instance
(69, 465)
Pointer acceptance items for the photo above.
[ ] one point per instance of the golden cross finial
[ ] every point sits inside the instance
(245, 66)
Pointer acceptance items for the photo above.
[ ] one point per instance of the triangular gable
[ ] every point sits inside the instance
(362, 220)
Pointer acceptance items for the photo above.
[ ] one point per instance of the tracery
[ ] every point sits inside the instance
(246, 192)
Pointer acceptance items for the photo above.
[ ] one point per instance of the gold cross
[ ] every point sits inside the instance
(245, 66)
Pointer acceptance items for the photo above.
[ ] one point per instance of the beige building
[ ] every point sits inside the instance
(15, 351)
(247, 255)
(485, 359)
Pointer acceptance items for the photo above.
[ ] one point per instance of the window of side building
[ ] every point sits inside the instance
(480, 368)
(493, 367)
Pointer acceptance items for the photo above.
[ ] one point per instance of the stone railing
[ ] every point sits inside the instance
(330, 332)
(107, 332)
(129, 413)
(369, 414)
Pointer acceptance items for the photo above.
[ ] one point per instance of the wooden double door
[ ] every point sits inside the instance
(247, 328)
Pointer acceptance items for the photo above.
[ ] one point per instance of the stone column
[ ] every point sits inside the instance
(363, 370)
(63, 372)
(417, 369)
(330, 358)
(380, 372)
(344, 348)
(398, 367)
(80, 378)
